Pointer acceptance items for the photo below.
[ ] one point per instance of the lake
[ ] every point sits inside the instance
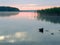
(22, 28)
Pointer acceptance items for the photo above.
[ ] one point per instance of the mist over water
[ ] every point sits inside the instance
(22, 28)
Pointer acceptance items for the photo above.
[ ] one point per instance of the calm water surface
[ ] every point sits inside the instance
(23, 29)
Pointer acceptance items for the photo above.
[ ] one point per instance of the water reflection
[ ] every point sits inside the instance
(18, 36)
(23, 29)
(48, 18)
(28, 15)
(4, 14)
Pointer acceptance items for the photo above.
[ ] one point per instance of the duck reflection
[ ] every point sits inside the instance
(4, 14)
(42, 31)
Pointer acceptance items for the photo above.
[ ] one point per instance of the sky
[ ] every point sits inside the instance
(30, 3)
(39, 2)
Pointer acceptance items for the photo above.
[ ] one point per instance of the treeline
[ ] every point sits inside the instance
(50, 11)
(6, 8)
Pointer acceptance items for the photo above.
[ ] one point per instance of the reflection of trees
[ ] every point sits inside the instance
(4, 14)
(47, 17)
(51, 14)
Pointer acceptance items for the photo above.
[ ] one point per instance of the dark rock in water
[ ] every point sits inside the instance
(41, 30)
(7, 8)
(52, 33)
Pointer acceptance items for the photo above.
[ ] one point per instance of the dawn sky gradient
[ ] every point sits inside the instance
(30, 4)
(39, 2)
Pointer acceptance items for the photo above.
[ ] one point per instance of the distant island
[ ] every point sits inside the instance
(50, 11)
(8, 9)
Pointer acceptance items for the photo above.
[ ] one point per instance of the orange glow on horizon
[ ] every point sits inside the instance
(33, 7)
(30, 6)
